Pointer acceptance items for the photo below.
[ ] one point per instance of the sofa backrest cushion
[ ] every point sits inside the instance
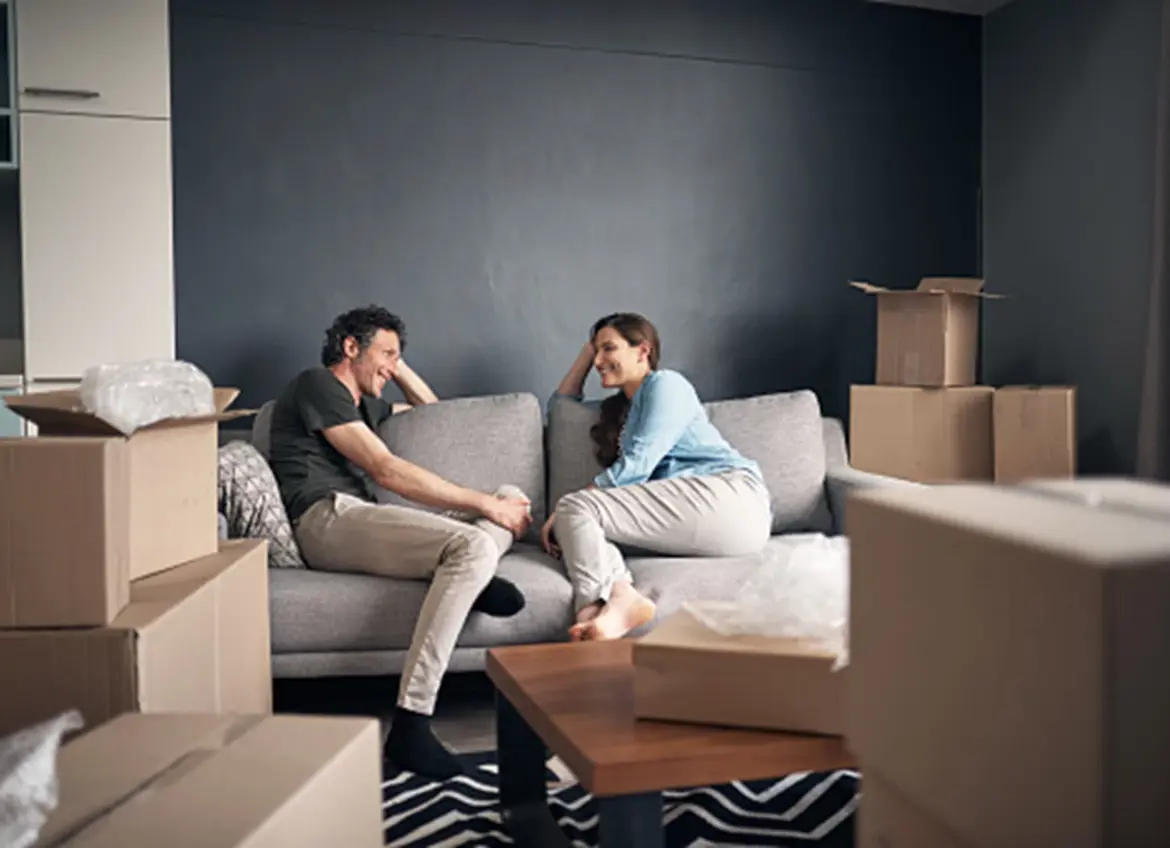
(261, 427)
(782, 432)
(479, 442)
(571, 463)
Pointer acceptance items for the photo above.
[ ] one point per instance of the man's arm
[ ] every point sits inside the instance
(361, 446)
(414, 387)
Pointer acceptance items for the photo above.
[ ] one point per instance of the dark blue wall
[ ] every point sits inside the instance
(502, 173)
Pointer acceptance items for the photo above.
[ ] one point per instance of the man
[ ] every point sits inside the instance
(327, 458)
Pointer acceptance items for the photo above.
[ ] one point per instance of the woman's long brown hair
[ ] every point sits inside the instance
(606, 433)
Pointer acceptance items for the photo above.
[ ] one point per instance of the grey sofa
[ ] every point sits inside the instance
(330, 624)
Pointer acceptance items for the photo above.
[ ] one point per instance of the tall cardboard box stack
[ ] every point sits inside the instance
(926, 420)
(1008, 648)
(116, 594)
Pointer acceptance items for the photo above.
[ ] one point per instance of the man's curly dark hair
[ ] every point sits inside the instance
(361, 325)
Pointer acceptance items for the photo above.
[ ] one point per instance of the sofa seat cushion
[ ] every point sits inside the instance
(316, 611)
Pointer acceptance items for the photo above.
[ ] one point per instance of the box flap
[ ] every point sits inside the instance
(154, 596)
(868, 288)
(137, 778)
(972, 286)
(62, 413)
(955, 285)
(682, 631)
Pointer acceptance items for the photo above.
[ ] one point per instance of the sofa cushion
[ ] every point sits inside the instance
(250, 504)
(262, 428)
(479, 442)
(571, 462)
(784, 433)
(316, 611)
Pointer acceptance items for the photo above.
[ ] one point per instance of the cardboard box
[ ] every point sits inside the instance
(928, 336)
(1035, 432)
(888, 819)
(84, 509)
(1008, 649)
(192, 639)
(926, 435)
(220, 782)
(684, 671)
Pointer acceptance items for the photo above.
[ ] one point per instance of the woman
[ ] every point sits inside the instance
(671, 483)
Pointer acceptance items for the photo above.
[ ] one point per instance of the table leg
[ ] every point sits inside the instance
(631, 821)
(523, 792)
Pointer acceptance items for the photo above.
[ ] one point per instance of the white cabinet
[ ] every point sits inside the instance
(94, 57)
(96, 236)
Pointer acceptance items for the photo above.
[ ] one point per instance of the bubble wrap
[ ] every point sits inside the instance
(28, 779)
(801, 591)
(134, 395)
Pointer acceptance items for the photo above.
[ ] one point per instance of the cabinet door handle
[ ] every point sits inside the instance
(63, 93)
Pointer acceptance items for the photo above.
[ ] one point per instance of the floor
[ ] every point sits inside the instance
(464, 717)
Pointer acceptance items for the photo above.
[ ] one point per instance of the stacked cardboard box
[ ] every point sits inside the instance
(1007, 653)
(115, 592)
(925, 419)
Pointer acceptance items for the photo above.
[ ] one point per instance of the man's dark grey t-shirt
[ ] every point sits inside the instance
(306, 466)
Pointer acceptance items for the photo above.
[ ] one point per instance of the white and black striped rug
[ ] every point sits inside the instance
(807, 810)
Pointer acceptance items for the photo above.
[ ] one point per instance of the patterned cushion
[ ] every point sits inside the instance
(782, 432)
(249, 500)
(479, 442)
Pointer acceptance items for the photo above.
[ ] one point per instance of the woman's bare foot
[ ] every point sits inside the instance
(627, 610)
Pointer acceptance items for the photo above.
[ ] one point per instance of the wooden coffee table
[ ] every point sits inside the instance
(577, 700)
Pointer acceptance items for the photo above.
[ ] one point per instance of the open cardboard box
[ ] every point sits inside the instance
(929, 335)
(85, 509)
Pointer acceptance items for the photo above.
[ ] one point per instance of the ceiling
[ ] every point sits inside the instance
(967, 7)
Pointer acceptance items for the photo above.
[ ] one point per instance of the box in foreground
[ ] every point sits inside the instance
(193, 639)
(684, 671)
(1008, 648)
(143, 781)
(888, 819)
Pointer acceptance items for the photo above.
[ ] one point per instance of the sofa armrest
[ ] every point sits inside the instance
(840, 480)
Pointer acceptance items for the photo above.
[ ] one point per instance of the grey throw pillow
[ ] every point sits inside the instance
(784, 433)
(250, 503)
(479, 442)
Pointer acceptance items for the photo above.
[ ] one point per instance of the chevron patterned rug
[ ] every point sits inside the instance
(807, 810)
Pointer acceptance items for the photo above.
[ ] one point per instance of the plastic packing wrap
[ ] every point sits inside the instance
(28, 778)
(801, 591)
(134, 395)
